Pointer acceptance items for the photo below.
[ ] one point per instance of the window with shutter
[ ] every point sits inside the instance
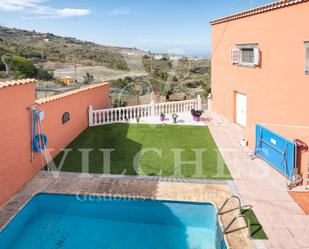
(234, 55)
(248, 55)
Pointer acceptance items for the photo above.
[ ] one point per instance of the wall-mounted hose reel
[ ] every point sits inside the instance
(39, 139)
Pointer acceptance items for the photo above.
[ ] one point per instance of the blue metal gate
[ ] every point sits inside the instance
(276, 150)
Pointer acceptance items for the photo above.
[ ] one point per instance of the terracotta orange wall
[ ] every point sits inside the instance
(277, 91)
(16, 168)
(60, 135)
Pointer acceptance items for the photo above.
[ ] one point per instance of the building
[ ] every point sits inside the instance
(158, 57)
(260, 70)
(66, 80)
(176, 57)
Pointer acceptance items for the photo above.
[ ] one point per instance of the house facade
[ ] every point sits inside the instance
(260, 70)
(66, 80)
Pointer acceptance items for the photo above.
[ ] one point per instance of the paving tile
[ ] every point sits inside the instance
(259, 184)
(285, 241)
(301, 237)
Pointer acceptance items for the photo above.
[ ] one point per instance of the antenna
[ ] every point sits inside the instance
(244, 2)
(75, 71)
(251, 4)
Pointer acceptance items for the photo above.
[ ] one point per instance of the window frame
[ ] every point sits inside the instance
(252, 46)
(242, 55)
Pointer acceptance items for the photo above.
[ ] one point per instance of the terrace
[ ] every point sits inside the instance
(225, 169)
(155, 179)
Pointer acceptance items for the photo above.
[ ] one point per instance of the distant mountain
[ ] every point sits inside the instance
(47, 47)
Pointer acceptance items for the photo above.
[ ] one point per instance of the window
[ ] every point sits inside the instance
(307, 57)
(246, 55)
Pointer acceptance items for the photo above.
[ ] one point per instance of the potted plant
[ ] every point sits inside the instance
(174, 117)
(162, 117)
(196, 115)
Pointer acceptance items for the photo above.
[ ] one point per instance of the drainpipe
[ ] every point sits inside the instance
(90, 116)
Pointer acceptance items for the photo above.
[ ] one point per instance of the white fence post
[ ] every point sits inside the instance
(199, 103)
(209, 102)
(152, 108)
(90, 116)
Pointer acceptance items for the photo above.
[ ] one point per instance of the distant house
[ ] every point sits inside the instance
(158, 57)
(131, 54)
(260, 69)
(66, 80)
(197, 58)
(176, 57)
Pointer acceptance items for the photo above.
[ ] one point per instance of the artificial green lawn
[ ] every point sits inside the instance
(257, 231)
(127, 140)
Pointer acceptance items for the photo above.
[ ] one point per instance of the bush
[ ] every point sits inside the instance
(196, 113)
(59, 82)
(88, 78)
(119, 103)
(44, 75)
(120, 66)
(19, 75)
(23, 67)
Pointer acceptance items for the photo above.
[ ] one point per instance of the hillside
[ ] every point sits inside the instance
(133, 73)
(47, 47)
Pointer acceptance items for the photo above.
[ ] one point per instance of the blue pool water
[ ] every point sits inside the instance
(51, 221)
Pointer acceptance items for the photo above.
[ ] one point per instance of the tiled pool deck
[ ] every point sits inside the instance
(257, 184)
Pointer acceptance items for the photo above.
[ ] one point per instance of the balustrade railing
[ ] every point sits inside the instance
(125, 114)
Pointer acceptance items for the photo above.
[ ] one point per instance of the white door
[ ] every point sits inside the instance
(241, 109)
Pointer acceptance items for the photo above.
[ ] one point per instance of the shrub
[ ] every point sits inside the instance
(44, 75)
(88, 78)
(196, 113)
(23, 67)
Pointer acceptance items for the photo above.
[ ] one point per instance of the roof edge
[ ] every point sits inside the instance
(257, 10)
(69, 93)
(16, 82)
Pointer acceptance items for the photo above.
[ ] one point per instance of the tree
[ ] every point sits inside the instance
(88, 78)
(7, 61)
(23, 67)
(136, 90)
(156, 85)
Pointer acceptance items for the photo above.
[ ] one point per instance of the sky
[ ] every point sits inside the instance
(174, 26)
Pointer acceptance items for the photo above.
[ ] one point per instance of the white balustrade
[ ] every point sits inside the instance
(125, 114)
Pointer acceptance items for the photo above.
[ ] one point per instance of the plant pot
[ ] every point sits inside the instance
(196, 118)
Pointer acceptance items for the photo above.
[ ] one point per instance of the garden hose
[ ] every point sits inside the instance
(39, 141)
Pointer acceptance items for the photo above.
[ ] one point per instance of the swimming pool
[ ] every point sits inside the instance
(51, 221)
